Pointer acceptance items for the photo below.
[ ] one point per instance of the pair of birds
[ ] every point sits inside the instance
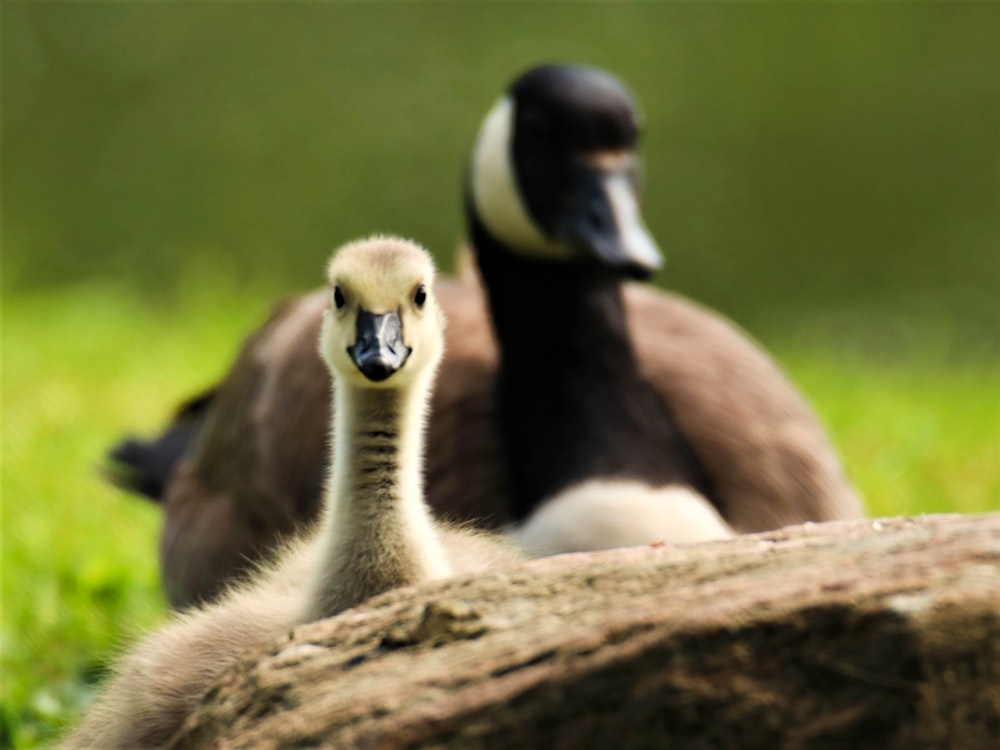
(603, 414)
(562, 375)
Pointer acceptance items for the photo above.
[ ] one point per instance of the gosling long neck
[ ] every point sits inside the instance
(573, 403)
(376, 532)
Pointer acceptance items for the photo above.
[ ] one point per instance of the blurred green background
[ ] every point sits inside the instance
(804, 160)
(828, 175)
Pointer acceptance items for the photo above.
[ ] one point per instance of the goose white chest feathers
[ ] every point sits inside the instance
(561, 375)
(382, 339)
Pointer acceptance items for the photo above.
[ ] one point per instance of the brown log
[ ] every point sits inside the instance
(857, 634)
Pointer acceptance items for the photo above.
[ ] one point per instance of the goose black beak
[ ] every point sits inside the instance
(378, 349)
(604, 223)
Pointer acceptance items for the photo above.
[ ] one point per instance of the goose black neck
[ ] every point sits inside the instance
(572, 402)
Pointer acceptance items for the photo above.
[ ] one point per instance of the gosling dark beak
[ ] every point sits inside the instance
(378, 349)
(603, 222)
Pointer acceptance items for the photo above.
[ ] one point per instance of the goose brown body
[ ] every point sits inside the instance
(769, 458)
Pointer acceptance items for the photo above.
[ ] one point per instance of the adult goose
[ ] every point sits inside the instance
(577, 407)
(381, 338)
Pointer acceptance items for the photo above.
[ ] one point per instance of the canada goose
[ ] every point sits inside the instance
(563, 374)
(381, 338)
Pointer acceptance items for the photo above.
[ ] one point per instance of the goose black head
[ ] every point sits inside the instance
(555, 172)
(383, 327)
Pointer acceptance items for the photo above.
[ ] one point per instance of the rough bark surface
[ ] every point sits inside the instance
(882, 633)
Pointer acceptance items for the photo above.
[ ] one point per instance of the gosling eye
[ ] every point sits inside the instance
(420, 297)
(338, 298)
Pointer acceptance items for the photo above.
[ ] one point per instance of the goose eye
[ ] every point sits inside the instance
(420, 297)
(338, 298)
(533, 122)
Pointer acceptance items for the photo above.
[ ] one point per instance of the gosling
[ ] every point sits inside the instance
(382, 339)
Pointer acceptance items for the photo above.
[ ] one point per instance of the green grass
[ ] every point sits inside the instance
(79, 558)
(82, 367)
(916, 437)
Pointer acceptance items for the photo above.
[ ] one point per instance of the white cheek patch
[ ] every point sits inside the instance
(606, 514)
(494, 189)
(635, 238)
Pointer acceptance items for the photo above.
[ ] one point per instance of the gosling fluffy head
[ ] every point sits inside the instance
(383, 327)
(555, 173)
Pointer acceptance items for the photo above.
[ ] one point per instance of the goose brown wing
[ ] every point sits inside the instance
(254, 473)
(769, 459)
